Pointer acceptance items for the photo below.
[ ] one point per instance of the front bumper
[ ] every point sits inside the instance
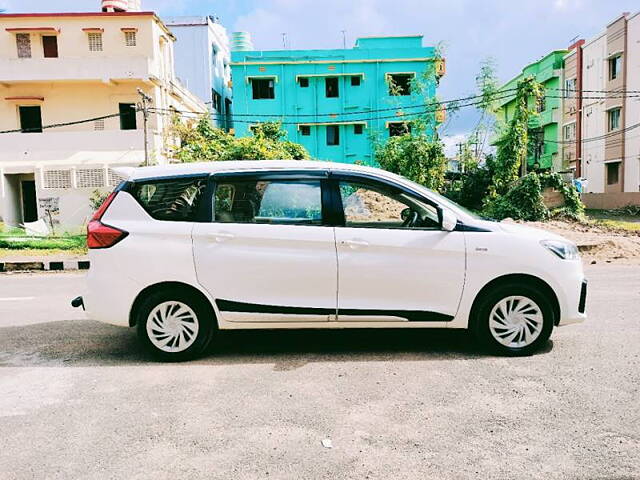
(574, 310)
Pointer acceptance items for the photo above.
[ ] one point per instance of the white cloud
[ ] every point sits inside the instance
(450, 144)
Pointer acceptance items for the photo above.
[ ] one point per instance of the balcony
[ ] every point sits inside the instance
(70, 147)
(106, 69)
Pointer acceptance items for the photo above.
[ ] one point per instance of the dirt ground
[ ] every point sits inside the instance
(597, 243)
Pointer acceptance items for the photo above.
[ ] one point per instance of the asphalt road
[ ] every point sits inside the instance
(79, 400)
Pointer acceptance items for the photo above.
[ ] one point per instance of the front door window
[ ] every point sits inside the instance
(379, 206)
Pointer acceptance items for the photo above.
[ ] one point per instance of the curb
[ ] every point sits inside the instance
(44, 266)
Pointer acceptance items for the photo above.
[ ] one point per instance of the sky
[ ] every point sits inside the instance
(513, 33)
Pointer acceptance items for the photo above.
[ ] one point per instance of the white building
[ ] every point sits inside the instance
(82, 70)
(201, 39)
(610, 113)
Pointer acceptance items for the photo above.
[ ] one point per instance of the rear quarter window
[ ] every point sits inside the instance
(176, 199)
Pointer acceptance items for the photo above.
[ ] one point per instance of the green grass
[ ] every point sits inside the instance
(17, 242)
(622, 219)
(16, 239)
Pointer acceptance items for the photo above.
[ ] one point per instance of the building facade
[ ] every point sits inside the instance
(69, 86)
(609, 153)
(200, 39)
(336, 102)
(543, 127)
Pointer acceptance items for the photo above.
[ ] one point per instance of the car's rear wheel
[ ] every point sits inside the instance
(175, 325)
(514, 320)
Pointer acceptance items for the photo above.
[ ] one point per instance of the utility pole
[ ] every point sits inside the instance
(143, 106)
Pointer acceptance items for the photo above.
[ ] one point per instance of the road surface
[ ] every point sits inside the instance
(78, 399)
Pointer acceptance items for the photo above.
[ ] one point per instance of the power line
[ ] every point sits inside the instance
(600, 137)
(334, 120)
(66, 124)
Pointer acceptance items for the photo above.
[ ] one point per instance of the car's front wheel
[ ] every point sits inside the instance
(175, 325)
(514, 320)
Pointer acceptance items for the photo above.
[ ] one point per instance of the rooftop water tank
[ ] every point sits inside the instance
(241, 41)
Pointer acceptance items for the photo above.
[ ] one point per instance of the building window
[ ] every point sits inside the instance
(615, 67)
(333, 135)
(541, 103)
(569, 132)
(613, 173)
(305, 130)
(332, 89)
(98, 125)
(23, 42)
(358, 128)
(304, 82)
(30, 119)
(130, 39)
(614, 119)
(570, 88)
(397, 129)
(263, 88)
(50, 46)
(399, 83)
(128, 116)
(216, 100)
(95, 41)
(355, 81)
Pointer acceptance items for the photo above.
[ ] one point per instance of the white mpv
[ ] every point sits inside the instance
(182, 251)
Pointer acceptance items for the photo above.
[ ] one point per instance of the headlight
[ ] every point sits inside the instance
(565, 250)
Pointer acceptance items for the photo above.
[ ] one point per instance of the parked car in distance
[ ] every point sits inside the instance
(182, 251)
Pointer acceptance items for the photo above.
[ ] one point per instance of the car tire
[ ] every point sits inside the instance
(175, 325)
(513, 320)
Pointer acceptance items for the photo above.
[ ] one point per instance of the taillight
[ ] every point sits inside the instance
(100, 235)
(103, 236)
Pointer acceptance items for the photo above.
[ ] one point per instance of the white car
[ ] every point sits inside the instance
(182, 251)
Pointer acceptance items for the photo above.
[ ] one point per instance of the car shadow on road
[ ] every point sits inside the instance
(88, 343)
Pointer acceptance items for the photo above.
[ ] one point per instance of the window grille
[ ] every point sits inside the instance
(115, 178)
(98, 124)
(57, 179)
(130, 39)
(95, 42)
(23, 41)
(90, 177)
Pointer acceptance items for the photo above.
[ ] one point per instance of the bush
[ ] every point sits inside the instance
(524, 201)
(415, 157)
(201, 142)
(473, 186)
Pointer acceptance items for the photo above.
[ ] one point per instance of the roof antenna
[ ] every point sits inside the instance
(284, 41)
(344, 39)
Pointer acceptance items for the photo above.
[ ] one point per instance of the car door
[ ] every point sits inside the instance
(268, 254)
(395, 263)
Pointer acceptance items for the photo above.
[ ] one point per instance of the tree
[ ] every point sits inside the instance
(200, 141)
(512, 145)
(414, 156)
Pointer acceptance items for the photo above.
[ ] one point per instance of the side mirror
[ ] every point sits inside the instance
(449, 221)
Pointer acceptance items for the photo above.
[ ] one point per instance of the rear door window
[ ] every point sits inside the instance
(268, 201)
(171, 199)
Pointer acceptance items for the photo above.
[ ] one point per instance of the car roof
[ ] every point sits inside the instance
(178, 169)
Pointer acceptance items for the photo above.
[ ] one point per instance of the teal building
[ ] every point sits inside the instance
(337, 102)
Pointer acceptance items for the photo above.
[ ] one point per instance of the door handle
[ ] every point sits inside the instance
(355, 243)
(222, 236)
